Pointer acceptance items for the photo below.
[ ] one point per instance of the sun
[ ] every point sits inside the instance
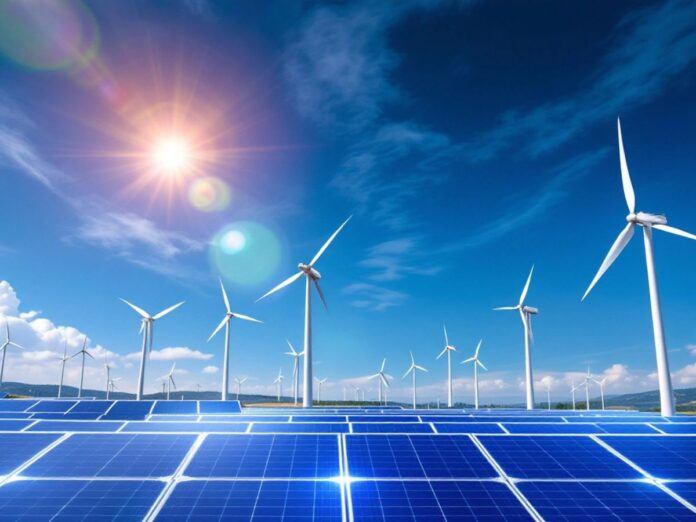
(171, 155)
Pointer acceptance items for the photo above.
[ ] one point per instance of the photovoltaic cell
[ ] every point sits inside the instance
(52, 406)
(178, 407)
(603, 501)
(16, 404)
(623, 418)
(66, 416)
(686, 490)
(113, 455)
(68, 500)
(219, 407)
(468, 427)
(434, 500)
(266, 456)
(678, 428)
(245, 418)
(391, 427)
(555, 457)
(448, 418)
(173, 418)
(381, 418)
(128, 410)
(318, 418)
(615, 427)
(300, 427)
(185, 427)
(14, 425)
(575, 429)
(17, 448)
(662, 456)
(68, 426)
(492, 418)
(415, 456)
(14, 415)
(254, 501)
(91, 407)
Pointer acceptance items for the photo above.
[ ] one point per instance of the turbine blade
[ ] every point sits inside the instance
(292, 348)
(620, 243)
(444, 328)
(443, 352)
(384, 380)
(412, 361)
(625, 176)
(420, 368)
(285, 283)
(12, 343)
(328, 242)
(526, 286)
(675, 231)
(506, 308)
(173, 383)
(88, 354)
(224, 297)
(167, 310)
(384, 361)
(142, 312)
(481, 364)
(218, 328)
(407, 372)
(142, 326)
(468, 360)
(321, 294)
(245, 318)
(478, 348)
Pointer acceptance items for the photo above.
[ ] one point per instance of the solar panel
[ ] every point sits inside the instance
(52, 406)
(78, 499)
(18, 448)
(391, 427)
(14, 425)
(678, 418)
(627, 428)
(66, 416)
(434, 500)
(299, 427)
(174, 418)
(219, 407)
(186, 427)
(246, 418)
(576, 429)
(622, 418)
(266, 456)
(91, 407)
(113, 455)
(415, 456)
(555, 457)
(677, 428)
(447, 418)
(603, 501)
(185, 407)
(254, 501)
(686, 490)
(128, 410)
(14, 415)
(15, 404)
(662, 456)
(318, 418)
(468, 427)
(380, 418)
(494, 418)
(68, 426)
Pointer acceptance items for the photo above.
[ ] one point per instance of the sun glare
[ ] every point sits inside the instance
(171, 156)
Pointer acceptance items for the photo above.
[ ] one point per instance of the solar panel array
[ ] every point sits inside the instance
(190, 460)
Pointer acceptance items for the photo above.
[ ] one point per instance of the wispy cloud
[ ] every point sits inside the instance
(395, 259)
(373, 297)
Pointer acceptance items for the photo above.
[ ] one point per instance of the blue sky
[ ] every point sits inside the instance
(470, 140)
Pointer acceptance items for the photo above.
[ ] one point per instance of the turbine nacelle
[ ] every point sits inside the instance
(645, 219)
(530, 310)
(309, 270)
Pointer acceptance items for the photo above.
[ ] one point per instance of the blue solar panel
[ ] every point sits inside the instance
(14, 415)
(396, 427)
(77, 499)
(266, 456)
(626, 428)
(128, 410)
(662, 456)
(603, 501)
(434, 500)
(181, 407)
(299, 427)
(66, 416)
(66, 426)
(254, 501)
(91, 407)
(173, 418)
(537, 418)
(555, 457)
(52, 406)
(686, 490)
(14, 425)
(468, 427)
(17, 448)
(381, 418)
(678, 418)
(219, 407)
(318, 418)
(415, 456)
(189, 427)
(113, 455)
(448, 418)
(623, 418)
(245, 418)
(677, 428)
(16, 404)
(576, 429)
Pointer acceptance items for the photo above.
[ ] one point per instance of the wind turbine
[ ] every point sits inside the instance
(279, 382)
(111, 386)
(647, 222)
(311, 276)
(526, 313)
(548, 394)
(357, 393)
(226, 323)
(601, 389)
(5, 345)
(572, 391)
(381, 379)
(586, 383)
(63, 360)
(477, 363)
(147, 330)
(412, 370)
(239, 384)
(319, 383)
(295, 369)
(108, 374)
(448, 349)
(169, 379)
(84, 353)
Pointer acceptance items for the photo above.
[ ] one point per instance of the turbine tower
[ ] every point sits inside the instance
(279, 383)
(586, 383)
(169, 380)
(5, 345)
(601, 389)
(108, 374)
(477, 363)
(412, 370)
(63, 360)
(147, 330)
(548, 394)
(295, 369)
(226, 323)
(311, 276)
(448, 349)
(239, 384)
(381, 379)
(526, 313)
(84, 353)
(111, 386)
(572, 391)
(647, 222)
(319, 383)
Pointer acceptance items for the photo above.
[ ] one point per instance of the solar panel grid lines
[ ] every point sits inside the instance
(107, 410)
(654, 426)
(51, 442)
(661, 456)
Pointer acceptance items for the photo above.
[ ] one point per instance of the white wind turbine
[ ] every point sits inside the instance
(147, 324)
(412, 370)
(84, 353)
(448, 349)
(572, 391)
(357, 393)
(526, 313)
(319, 383)
(381, 379)
(586, 383)
(295, 369)
(647, 222)
(108, 374)
(63, 360)
(279, 383)
(226, 323)
(312, 276)
(239, 384)
(169, 379)
(5, 345)
(477, 363)
(601, 389)
(111, 386)
(548, 394)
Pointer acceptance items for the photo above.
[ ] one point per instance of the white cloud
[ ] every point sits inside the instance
(373, 297)
(210, 370)
(9, 303)
(178, 353)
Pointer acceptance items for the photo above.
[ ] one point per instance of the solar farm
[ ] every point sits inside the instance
(211, 460)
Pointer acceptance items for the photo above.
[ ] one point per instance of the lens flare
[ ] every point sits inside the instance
(209, 194)
(245, 253)
(171, 155)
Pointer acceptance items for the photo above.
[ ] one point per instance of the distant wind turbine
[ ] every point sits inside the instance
(477, 363)
(84, 353)
(381, 379)
(572, 391)
(295, 369)
(601, 389)
(586, 383)
(147, 330)
(548, 394)
(448, 349)
(5, 345)
(108, 374)
(63, 360)
(357, 393)
(526, 313)
(647, 222)
(111, 387)
(311, 276)
(226, 323)
(279, 383)
(412, 370)
(239, 384)
(169, 380)
(319, 383)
